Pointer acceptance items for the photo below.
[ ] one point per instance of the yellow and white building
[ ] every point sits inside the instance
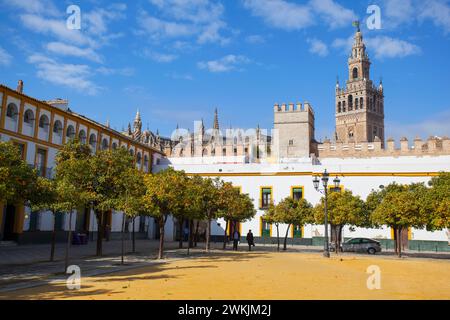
(40, 128)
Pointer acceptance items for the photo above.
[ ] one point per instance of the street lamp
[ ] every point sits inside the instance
(316, 182)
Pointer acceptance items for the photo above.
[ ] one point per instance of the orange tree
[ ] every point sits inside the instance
(17, 178)
(165, 195)
(294, 212)
(130, 201)
(436, 206)
(344, 209)
(234, 207)
(106, 185)
(400, 207)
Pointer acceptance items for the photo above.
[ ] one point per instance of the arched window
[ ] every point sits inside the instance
(355, 73)
(132, 152)
(224, 152)
(114, 146)
(235, 140)
(57, 127)
(138, 159)
(343, 106)
(70, 133)
(181, 152)
(12, 111)
(350, 103)
(361, 103)
(105, 144)
(356, 103)
(44, 122)
(28, 117)
(205, 152)
(93, 141)
(82, 136)
(146, 162)
(213, 152)
(339, 108)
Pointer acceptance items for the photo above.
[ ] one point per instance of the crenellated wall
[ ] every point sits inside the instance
(433, 146)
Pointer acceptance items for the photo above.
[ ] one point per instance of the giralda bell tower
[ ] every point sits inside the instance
(360, 105)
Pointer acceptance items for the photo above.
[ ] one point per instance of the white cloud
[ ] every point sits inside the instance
(158, 57)
(73, 76)
(434, 125)
(158, 28)
(255, 39)
(281, 14)
(332, 13)
(438, 12)
(63, 49)
(202, 19)
(5, 57)
(407, 12)
(289, 15)
(381, 46)
(56, 28)
(34, 6)
(96, 21)
(228, 63)
(387, 47)
(318, 47)
(126, 72)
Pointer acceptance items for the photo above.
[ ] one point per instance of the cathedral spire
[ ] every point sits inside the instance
(216, 120)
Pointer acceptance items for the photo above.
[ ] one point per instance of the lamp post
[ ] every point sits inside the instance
(325, 177)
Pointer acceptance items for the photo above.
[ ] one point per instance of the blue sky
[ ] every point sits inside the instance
(177, 60)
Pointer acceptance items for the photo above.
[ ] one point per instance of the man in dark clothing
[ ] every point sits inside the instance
(236, 239)
(250, 240)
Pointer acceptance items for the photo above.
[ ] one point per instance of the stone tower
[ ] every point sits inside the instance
(294, 130)
(137, 126)
(360, 105)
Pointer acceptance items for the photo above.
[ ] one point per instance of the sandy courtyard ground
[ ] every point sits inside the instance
(262, 275)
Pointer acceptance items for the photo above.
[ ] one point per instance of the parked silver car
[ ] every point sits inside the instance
(359, 245)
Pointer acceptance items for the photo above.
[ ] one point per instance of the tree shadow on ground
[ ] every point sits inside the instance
(54, 291)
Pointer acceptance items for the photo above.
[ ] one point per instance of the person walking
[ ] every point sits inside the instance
(250, 240)
(236, 239)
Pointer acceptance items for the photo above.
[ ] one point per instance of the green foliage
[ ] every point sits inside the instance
(401, 207)
(294, 212)
(130, 198)
(343, 209)
(234, 205)
(165, 192)
(17, 179)
(437, 202)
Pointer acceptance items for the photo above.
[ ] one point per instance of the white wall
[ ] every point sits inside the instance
(360, 176)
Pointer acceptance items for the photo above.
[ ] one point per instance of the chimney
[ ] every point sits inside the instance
(20, 86)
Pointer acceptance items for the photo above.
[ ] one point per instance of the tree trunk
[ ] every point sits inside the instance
(161, 238)
(196, 233)
(285, 238)
(395, 241)
(52, 249)
(400, 242)
(134, 234)
(191, 233)
(338, 233)
(123, 237)
(100, 232)
(180, 243)
(225, 236)
(208, 234)
(69, 239)
(278, 237)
